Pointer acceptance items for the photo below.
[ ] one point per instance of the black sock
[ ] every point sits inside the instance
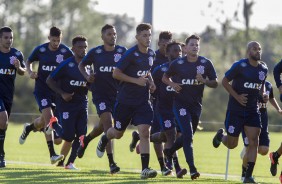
(177, 144)
(51, 148)
(2, 139)
(276, 155)
(75, 145)
(161, 162)
(145, 157)
(30, 127)
(176, 163)
(110, 158)
(250, 168)
(87, 139)
(244, 169)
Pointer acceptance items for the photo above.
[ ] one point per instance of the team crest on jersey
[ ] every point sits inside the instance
(42, 49)
(117, 57)
(261, 75)
(63, 50)
(203, 61)
(151, 60)
(59, 58)
(65, 115)
(167, 123)
(119, 50)
(180, 61)
(18, 53)
(98, 51)
(71, 64)
(44, 102)
(118, 124)
(12, 59)
(136, 54)
(164, 69)
(243, 64)
(200, 69)
(102, 106)
(231, 129)
(151, 53)
(182, 112)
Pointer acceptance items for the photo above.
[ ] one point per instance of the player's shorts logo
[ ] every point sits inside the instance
(182, 112)
(59, 58)
(118, 124)
(231, 129)
(65, 115)
(44, 102)
(102, 106)
(167, 123)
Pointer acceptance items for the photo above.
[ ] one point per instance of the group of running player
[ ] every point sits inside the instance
(162, 90)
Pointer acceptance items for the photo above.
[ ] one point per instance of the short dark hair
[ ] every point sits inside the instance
(5, 29)
(142, 27)
(192, 37)
(54, 31)
(107, 26)
(167, 35)
(169, 45)
(78, 38)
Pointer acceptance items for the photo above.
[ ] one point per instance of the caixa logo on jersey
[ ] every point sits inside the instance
(117, 57)
(78, 83)
(142, 73)
(59, 58)
(251, 85)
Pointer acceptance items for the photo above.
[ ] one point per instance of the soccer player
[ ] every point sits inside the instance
(188, 76)
(248, 76)
(10, 65)
(264, 140)
(67, 81)
(49, 55)
(104, 87)
(133, 105)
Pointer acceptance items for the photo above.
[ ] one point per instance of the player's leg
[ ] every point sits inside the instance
(4, 115)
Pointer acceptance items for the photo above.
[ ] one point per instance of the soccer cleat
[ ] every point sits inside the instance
(194, 175)
(71, 166)
(249, 180)
(114, 168)
(100, 150)
(56, 158)
(243, 152)
(218, 138)
(166, 171)
(49, 127)
(169, 164)
(148, 173)
(2, 161)
(24, 134)
(181, 173)
(135, 139)
(274, 162)
(82, 146)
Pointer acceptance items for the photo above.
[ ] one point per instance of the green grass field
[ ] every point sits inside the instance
(29, 163)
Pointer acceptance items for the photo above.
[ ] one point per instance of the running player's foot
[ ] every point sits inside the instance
(249, 180)
(56, 158)
(274, 162)
(100, 150)
(135, 139)
(71, 166)
(218, 138)
(114, 168)
(61, 163)
(166, 171)
(148, 173)
(181, 173)
(49, 127)
(195, 175)
(83, 145)
(243, 152)
(24, 134)
(2, 161)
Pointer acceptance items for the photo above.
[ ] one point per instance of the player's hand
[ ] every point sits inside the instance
(176, 86)
(242, 99)
(142, 81)
(90, 78)
(33, 75)
(200, 78)
(152, 87)
(265, 97)
(17, 63)
(67, 96)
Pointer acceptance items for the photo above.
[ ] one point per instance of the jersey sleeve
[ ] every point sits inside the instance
(211, 73)
(89, 58)
(233, 71)
(124, 62)
(34, 55)
(277, 71)
(59, 71)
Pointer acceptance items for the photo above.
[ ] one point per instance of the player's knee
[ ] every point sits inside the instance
(263, 150)
(58, 141)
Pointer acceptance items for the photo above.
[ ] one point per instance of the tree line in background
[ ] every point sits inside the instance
(32, 19)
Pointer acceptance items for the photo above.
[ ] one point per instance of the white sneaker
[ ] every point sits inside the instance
(71, 166)
(56, 158)
(243, 152)
(148, 173)
(24, 134)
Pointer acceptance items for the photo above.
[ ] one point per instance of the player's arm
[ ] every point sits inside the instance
(119, 75)
(207, 82)
(55, 87)
(20, 69)
(242, 98)
(167, 80)
(152, 85)
(89, 77)
(32, 74)
(275, 105)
